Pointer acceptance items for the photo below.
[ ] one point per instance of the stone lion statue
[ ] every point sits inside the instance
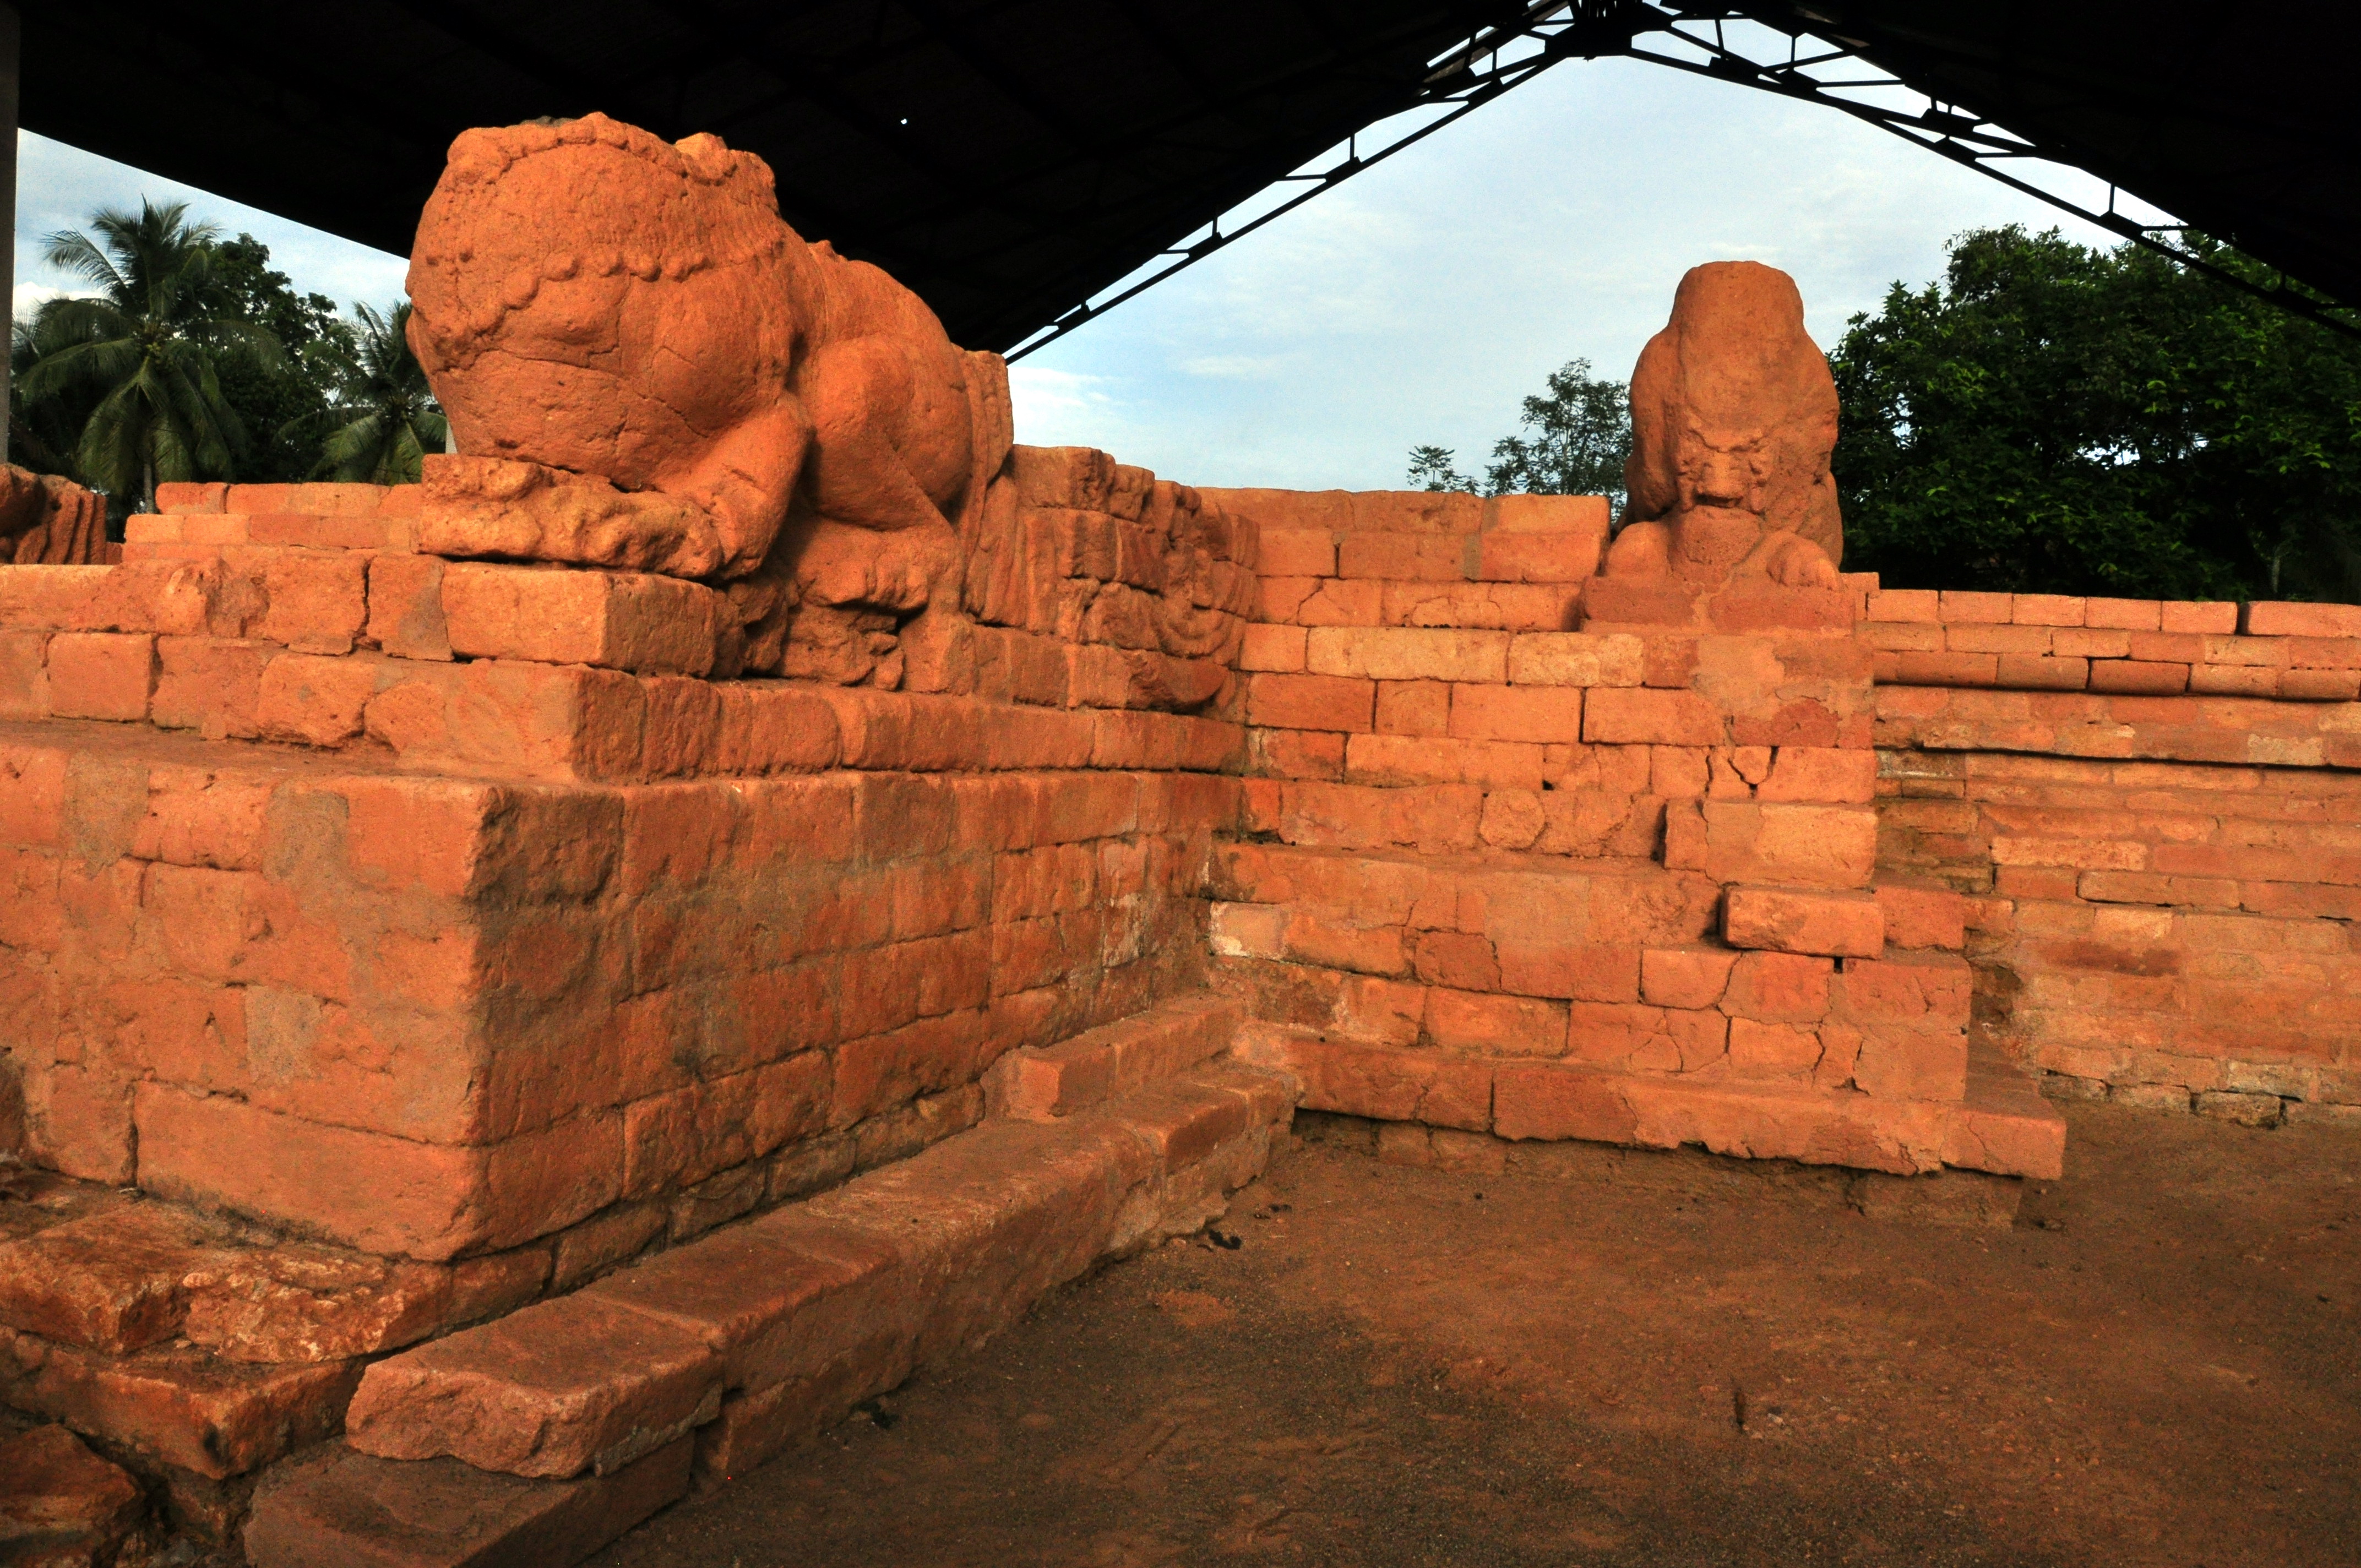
(1733, 416)
(646, 368)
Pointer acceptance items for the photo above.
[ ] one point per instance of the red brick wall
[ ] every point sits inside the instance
(2154, 807)
(443, 907)
(1478, 845)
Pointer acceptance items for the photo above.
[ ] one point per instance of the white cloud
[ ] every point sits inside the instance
(1039, 389)
(1424, 300)
(59, 187)
(1235, 367)
(27, 298)
(1420, 303)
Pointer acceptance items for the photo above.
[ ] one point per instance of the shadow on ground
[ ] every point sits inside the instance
(1672, 1364)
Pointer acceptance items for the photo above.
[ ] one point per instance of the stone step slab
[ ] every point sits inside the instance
(110, 1282)
(1100, 1064)
(134, 1275)
(339, 1509)
(580, 1383)
(2001, 1125)
(756, 1337)
(183, 1406)
(787, 1322)
(61, 1503)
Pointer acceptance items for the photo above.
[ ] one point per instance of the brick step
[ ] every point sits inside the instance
(2002, 1126)
(1792, 843)
(543, 1435)
(1894, 1027)
(1292, 901)
(1079, 1074)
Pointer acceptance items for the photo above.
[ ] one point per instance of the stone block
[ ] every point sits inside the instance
(112, 1282)
(1767, 1052)
(1412, 760)
(1409, 654)
(777, 1299)
(1277, 649)
(405, 607)
(1987, 609)
(1132, 1053)
(1820, 773)
(2048, 609)
(1923, 916)
(1418, 557)
(1533, 714)
(94, 675)
(1311, 702)
(577, 1384)
(378, 1193)
(184, 1407)
(623, 621)
(1298, 553)
(1789, 987)
(317, 600)
(1684, 977)
(1925, 989)
(341, 1508)
(1415, 708)
(2247, 1110)
(1645, 716)
(1541, 538)
(304, 1303)
(61, 1504)
(210, 684)
(1792, 844)
(1916, 606)
(1790, 920)
(1361, 1078)
(1896, 1061)
(1575, 659)
(987, 1221)
(2124, 615)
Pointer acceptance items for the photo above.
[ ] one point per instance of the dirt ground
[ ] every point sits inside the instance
(1658, 1359)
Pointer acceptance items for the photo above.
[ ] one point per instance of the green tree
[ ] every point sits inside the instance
(383, 420)
(43, 434)
(2050, 418)
(1577, 434)
(145, 352)
(278, 406)
(1434, 469)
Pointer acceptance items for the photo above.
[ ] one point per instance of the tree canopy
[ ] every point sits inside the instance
(192, 357)
(2053, 419)
(384, 419)
(1577, 433)
(143, 352)
(2048, 418)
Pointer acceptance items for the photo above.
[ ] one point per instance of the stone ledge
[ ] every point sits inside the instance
(336, 1508)
(777, 1327)
(1116, 1058)
(2002, 1127)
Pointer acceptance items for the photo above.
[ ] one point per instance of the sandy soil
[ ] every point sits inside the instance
(1644, 1359)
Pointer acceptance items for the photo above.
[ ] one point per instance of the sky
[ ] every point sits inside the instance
(1418, 302)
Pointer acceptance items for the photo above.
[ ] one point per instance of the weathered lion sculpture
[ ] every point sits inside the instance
(1733, 416)
(646, 368)
(46, 520)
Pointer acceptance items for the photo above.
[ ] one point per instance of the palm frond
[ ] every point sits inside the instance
(69, 250)
(76, 319)
(114, 441)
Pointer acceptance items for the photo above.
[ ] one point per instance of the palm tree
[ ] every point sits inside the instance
(387, 413)
(142, 352)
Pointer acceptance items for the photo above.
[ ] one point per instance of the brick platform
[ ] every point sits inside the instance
(1600, 867)
(416, 966)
